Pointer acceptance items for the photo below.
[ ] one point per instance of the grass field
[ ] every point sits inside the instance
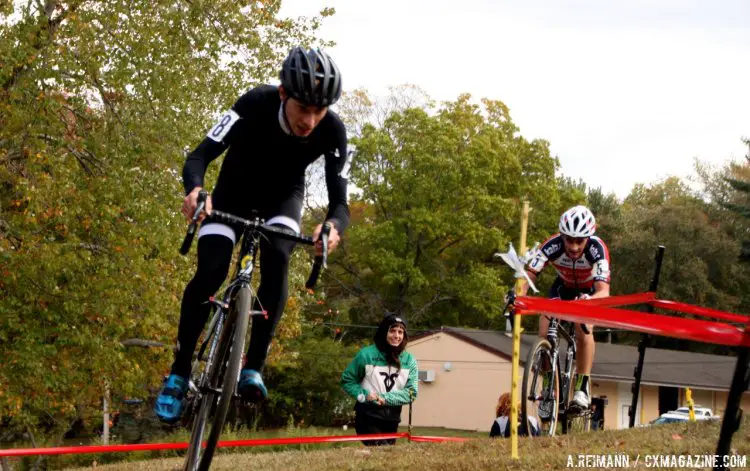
(478, 453)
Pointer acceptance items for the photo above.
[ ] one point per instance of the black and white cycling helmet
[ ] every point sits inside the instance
(311, 77)
(578, 221)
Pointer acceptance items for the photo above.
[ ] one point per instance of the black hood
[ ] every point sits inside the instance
(381, 335)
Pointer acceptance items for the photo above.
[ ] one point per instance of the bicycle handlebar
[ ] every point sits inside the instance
(219, 216)
(188, 241)
(288, 234)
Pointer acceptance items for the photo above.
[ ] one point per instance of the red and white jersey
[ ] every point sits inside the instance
(578, 274)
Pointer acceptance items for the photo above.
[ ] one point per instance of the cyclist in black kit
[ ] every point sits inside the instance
(271, 135)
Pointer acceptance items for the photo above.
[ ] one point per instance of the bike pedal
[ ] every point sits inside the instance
(576, 411)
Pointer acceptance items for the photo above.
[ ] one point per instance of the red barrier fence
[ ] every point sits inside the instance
(595, 311)
(731, 330)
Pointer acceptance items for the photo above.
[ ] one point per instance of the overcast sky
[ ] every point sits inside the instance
(625, 91)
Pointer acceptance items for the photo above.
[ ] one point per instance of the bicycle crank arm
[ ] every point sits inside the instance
(206, 389)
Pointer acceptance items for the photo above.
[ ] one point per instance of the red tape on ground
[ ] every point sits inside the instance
(298, 440)
(67, 450)
(430, 439)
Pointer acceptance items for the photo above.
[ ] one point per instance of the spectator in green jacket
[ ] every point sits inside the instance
(382, 378)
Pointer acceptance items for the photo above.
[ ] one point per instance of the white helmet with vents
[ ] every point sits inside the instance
(578, 221)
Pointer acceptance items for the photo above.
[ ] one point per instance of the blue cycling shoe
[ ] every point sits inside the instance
(170, 402)
(251, 386)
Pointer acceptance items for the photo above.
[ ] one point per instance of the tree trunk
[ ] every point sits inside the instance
(105, 424)
(38, 461)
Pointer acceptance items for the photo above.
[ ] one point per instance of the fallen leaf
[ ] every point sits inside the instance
(676, 437)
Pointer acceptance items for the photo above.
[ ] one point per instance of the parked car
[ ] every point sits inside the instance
(683, 415)
(701, 413)
(669, 418)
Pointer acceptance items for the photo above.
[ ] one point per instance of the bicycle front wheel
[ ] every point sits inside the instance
(203, 403)
(227, 372)
(242, 306)
(540, 401)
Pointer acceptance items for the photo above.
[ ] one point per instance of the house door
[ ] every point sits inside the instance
(668, 399)
(624, 399)
(624, 418)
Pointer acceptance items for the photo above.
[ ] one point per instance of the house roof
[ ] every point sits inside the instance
(617, 362)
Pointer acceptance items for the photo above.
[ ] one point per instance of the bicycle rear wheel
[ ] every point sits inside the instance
(226, 373)
(540, 403)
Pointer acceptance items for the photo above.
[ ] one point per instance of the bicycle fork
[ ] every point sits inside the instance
(548, 392)
(566, 377)
(552, 339)
(214, 330)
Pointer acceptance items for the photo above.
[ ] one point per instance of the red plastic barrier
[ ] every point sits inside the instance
(621, 300)
(650, 298)
(66, 450)
(656, 324)
(699, 311)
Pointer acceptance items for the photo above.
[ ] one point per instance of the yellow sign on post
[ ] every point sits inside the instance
(690, 403)
(514, 395)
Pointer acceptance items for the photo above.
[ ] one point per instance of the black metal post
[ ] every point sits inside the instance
(733, 413)
(411, 401)
(645, 339)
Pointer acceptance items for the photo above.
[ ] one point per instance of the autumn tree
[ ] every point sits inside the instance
(99, 102)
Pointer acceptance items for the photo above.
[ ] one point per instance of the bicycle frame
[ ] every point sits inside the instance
(245, 268)
(570, 355)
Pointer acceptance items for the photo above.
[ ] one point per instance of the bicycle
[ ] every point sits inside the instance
(216, 368)
(550, 403)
